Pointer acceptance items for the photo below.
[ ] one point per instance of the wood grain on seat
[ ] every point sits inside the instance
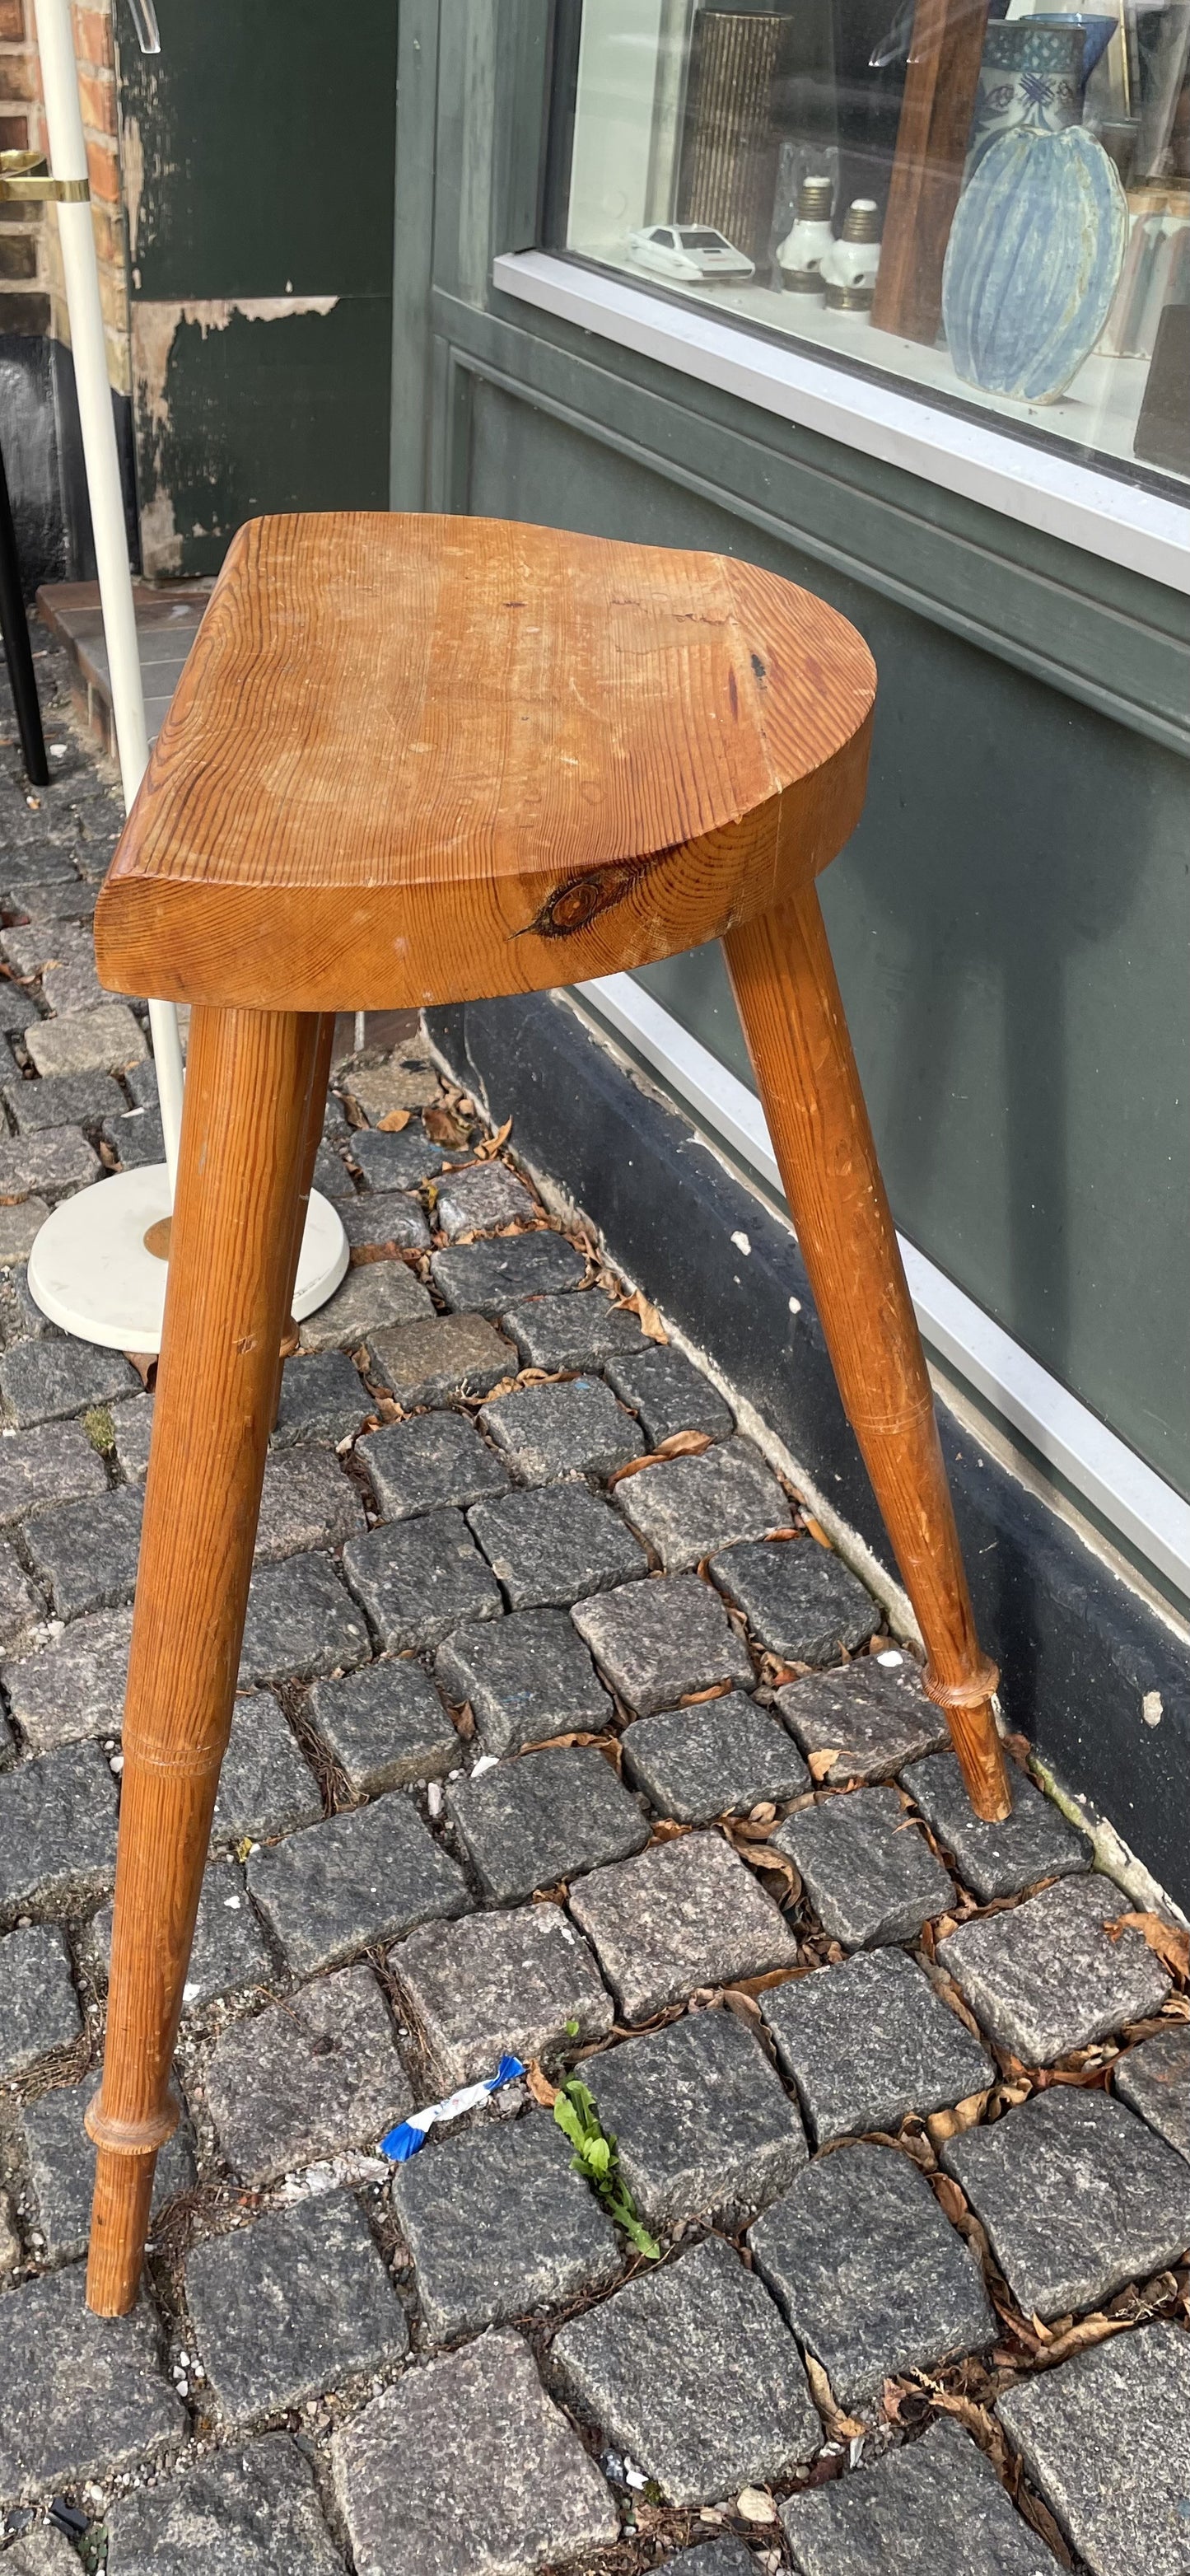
(417, 759)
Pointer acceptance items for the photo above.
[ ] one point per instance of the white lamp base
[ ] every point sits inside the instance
(90, 1273)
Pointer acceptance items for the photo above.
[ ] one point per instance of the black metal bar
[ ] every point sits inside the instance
(18, 652)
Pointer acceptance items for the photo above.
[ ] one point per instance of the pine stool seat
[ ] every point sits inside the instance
(419, 760)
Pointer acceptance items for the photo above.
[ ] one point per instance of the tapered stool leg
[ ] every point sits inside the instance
(789, 1002)
(244, 1137)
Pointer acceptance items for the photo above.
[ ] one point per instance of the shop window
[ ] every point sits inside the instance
(992, 206)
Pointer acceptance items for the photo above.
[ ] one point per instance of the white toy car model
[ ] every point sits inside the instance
(685, 251)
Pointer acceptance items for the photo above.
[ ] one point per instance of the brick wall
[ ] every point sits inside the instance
(31, 294)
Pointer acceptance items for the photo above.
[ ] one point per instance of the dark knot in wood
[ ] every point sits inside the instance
(580, 899)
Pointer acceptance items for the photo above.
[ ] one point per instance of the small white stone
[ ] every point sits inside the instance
(741, 1241)
(890, 1658)
(754, 2504)
(232, 1904)
(1152, 1708)
(434, 1797)
(115, 1762)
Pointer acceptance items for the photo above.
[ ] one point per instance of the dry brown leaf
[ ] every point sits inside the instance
(145, 1364)
(1078, 2338)
(1171, 1946)
(393, 1121)
(816, 1529)
(695, 1699)
(1085, 2078)
(977, 2420)
(650, 1321)
(464, 1718)
(1040, 2518)
(761, 1856)
(1019, 1747)
(948, 1993)
(442, 1128)
(818, 1764)
(748, 1829)
(680, 1444)
(609, 1745)
(761, 1985)
(668, 1830)
(492, 1144)
(841, 2427)
(745, 2007)
(540, 2086)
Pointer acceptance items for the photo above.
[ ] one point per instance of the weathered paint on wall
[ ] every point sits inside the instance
(258, 156)
(240, 408)
(155, 329)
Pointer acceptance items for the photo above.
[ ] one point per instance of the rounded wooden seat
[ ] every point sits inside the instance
(424, 759)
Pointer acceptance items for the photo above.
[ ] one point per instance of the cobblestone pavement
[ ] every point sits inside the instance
(560, 1734)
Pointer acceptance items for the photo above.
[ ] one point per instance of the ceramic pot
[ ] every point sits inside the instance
(1031, 75)
(1032, 263)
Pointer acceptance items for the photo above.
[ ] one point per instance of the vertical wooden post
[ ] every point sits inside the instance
(244, 1138)
(784, 982)
(945, 51)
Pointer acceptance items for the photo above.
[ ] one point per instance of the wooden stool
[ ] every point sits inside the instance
(416, 761)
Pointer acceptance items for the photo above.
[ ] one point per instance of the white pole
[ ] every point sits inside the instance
(68, 160)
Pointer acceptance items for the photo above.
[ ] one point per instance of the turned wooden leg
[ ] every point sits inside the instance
(244, 1135)
(789, 1002)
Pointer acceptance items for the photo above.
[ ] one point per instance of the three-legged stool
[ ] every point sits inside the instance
(416, 761)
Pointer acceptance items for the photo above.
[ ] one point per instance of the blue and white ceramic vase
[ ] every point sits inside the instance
(1032, 263)
(1031, 74)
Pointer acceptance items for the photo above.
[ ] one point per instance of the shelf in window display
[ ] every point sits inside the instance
(1097, 413)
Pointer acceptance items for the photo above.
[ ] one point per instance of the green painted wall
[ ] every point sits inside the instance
(258, 153)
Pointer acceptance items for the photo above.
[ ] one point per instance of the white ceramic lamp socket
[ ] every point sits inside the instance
(850, 267)
(801, 254)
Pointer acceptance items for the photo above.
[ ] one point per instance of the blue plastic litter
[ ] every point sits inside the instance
(411, 2134)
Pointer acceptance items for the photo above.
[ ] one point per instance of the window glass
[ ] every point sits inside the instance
(991, 205)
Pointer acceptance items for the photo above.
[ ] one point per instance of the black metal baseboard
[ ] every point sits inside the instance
(1078, 1650)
